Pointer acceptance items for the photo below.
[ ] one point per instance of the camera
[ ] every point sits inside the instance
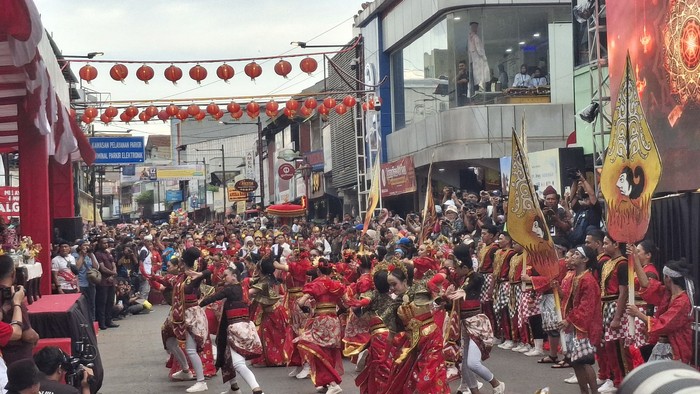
(75, 370)
(573, 173)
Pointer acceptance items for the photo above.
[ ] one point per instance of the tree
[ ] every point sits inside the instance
(145, 198)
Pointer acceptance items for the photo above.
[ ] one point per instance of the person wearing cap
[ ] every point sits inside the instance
(23, 377)
(452, 222)
(558, 219)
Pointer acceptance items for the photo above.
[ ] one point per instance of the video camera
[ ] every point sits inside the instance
(85, 355)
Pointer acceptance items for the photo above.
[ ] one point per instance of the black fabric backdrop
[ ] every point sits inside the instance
(675, 229)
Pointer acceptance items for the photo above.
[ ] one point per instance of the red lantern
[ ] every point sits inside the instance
(111, 112)
(118, 72)
(200, 116)
(225, 72)
(143, 116)
(308, 65)
(283, 68)
(349, 101)
(213, 109)
(151, 111)
(322, 109)
(272, 106)
(173, 74)
(370, 104)
(124, 117)
(252, 107)
(218, 115)
(341, 109)
(182, 114)
(131, 111)
(198, 73)
(253, 70)
(91, 112)
(270, 114)
(172, 109)
(292, 105)
(305, 111)
(310, 103)
(233, 107)
(88, 73)
(86, 119)
(237, 115)
(105, 119)
(329, 102)
(144, 73)
(193, 110)
(253, 115)
(163, 115)
(365, 107)
(290, 113)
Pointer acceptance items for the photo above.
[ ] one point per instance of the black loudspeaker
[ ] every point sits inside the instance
(68, 229)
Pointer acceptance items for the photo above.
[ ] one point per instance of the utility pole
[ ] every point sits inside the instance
(223, 174)
(260, 164)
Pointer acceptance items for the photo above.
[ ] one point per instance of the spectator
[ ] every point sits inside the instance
(62, 266)
(53, 365)
(145, 265)
(85, 261)
(558, 219)
(522, 79)
(538, 79)
(23, 377)
(20, 348)
(587, 210)
(104, 295)
(12, 331)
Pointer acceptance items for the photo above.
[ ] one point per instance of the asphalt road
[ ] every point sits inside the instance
(134, 362)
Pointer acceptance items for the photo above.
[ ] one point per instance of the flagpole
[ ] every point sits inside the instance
(428, 199)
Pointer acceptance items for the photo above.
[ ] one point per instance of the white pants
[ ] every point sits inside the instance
(472, 366)
(191, 348)
(242, 369)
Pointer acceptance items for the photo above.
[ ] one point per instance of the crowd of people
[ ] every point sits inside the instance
(413, 306)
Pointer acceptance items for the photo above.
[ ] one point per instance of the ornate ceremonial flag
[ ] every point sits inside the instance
(429, 213)
(526, 224)
(374, 194)
(632, 166)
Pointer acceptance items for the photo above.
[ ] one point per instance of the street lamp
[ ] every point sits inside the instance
(302, 44)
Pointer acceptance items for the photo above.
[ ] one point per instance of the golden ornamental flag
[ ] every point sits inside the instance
(632, 166)
(525, 223)
(374, 194)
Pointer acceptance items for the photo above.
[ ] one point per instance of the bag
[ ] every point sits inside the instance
(579, 348)
(94, 276)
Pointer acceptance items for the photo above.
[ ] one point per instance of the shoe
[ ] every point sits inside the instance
(304, 372)
(525, 349)
(117, 318)
(295, 371)
(497, 341)
(507, 345)
(197, 387)
(571, 379)
(479, 385)
(500, 389)
(231, 391)
(182, 375)
(517, 347)
(534, 352)
(333, 388)
(112, 325)
(103, 328)
(606, 386)
(321, 389)
(361, 359)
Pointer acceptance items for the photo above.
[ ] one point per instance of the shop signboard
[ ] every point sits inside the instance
(9, 202)
(118, 150)
(173, 195)
(236, 195)
(398, 177)
(246, 185)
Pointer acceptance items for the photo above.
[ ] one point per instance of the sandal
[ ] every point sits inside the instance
(547, 360)
(561, 364)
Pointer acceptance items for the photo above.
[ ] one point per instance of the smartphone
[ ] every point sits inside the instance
(567, 190)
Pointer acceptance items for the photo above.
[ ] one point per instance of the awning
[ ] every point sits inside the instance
(26, 82)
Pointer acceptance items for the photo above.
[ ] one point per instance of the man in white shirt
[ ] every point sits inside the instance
(64, 280)
(145, 265)
(522, 79)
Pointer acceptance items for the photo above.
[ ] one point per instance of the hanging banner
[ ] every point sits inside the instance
(236, 195)
(9, 202)
(398, 177)
(118, 150)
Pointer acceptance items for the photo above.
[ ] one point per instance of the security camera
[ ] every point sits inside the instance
(377, 104)
(353, 63)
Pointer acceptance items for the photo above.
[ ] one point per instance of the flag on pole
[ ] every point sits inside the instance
(374, 194)
(429, 213)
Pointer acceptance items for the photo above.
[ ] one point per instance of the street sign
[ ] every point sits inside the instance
(173, 195)
(236, 195)
(118, 150)
(286, 171)
(246, 185)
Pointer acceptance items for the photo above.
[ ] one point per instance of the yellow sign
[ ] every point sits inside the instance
(181, 173)
(235, 195)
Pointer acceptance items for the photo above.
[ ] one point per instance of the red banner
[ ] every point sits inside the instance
(9, 202)
(398, 177)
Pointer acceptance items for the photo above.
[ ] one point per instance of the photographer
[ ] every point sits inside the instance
(57, 368)
(557, 218)
(19, 346)
(587, 210)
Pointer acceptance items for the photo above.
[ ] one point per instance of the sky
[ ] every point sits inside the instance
(195, 30)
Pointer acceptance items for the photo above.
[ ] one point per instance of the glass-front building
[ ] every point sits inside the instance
(472, 56)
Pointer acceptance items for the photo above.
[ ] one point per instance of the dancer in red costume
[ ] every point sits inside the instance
(320, 340)
(357, 329)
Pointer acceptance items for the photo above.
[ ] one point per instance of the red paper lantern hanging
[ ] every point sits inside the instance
(91, 112)
(182, 114)
(290, 113)
(193, 109)
(238, 114)
(111, 112)
(173, 74)
(201, 115)
(272, 106)
(86, 119)
(218, 115)
(349, 101)
(172, 109)
(365, 107)
(292, 105)
(105, 119)
(118, 72)
(283, 68)
(233, 107)
(87, 73)
(305, 111)
(131, 111)
(341, 109)
(253, 70)
(253, 115)
(225, 72)
(252, 107)
(370, 104)
(270, 114)
(308, 65)
(124, 117)
(163, 115)
(329, 102)
(310, 103)
(198, 73)
(143, 116)
(213, 109)
(322, 110)
(151, 111)
(145, 73)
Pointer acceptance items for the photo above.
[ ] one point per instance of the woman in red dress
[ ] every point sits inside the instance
(357, 330)
(320, 341)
